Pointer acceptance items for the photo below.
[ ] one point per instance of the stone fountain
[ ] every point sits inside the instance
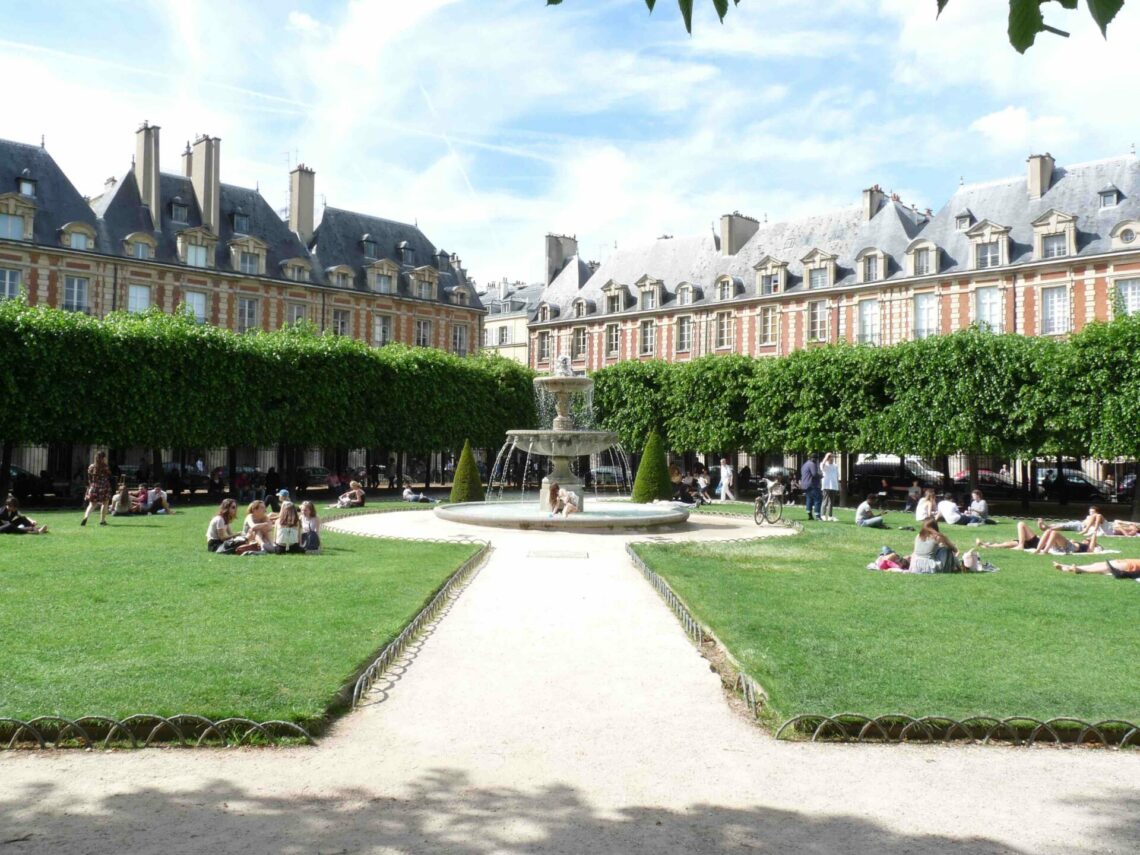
(563, 443)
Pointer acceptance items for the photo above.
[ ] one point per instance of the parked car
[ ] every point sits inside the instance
(1078, 485)
(189, 478)
(604, 477)
(994, 485)
(869, 473)
(1127, 488)
(25, 484)
(312, 476)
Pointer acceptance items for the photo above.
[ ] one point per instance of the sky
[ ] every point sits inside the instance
(492, 122)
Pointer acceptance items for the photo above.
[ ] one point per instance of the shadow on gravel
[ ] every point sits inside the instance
(443, 813)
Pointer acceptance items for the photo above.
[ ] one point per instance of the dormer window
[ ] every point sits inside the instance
(771, 276)
(27, 187)
(724, 290)
(963, 221)
(1109, 197)
(297, 271)
(11, 226)
(819, 269)
(613, 303)
(817, 277)
(383, 283)
(370, 248)
(987, 254)
(870, 268)
(649, 298)
(139, 245)
(196, 255)
(241, 223)
(580, 309)
(685, 295)
(1055, 234)
(249, 263)
(1054, 246)
(179, 211)
(990, 244)
(921, 261)
(78, 235)
(423, 289)
(543, 314)
(769, 283)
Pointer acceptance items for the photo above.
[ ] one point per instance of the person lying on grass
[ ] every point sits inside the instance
(1095, 522)
(1026, 538)
(13, 522)
(1121, 568)
(1055, 542)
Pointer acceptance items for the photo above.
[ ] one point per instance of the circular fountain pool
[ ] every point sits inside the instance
(599, 516)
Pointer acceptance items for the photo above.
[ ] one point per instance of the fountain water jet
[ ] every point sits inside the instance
(562, 443)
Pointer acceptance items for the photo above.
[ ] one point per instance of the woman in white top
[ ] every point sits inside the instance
(568, 501)
(830, 471)
(218, 531)
(924, 510)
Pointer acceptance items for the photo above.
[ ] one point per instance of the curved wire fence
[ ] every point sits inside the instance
(897, 728)
(144, 730)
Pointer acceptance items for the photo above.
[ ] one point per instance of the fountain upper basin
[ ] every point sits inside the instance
(559, 443)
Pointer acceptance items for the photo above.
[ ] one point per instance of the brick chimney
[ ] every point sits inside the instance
(187, 161)
(735, 230)
(559, 250)
(146, 170)
(1040, 174)
(206, 179)
(302, 182)
(873, 200)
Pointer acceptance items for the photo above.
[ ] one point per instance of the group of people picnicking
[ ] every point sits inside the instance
(291, 530)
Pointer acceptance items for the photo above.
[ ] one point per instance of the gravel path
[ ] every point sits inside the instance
(558, 707)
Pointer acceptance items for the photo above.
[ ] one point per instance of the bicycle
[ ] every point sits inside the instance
(769, 505)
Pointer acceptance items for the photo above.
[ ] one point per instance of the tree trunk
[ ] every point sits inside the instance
(1027, 485)
(845, 482)
(157, 473)
(6, 470)
(973, 464)
(231, 468)
(1060, 484)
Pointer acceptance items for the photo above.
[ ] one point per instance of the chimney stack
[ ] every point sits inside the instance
(302, 182)
(187, 161)
(146, 170)
(1040, 174)
(873, 200)
(735, 230)
(559, 250)
(206, 180)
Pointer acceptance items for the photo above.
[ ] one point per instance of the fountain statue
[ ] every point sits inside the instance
(564, 444)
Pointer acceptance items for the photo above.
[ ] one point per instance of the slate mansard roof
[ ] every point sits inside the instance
(119, 212)
(122, 213)
(339, 240)
(699, 262)
(57, 201)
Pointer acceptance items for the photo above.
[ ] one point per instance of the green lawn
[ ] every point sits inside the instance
(822, 634)
(138, 617)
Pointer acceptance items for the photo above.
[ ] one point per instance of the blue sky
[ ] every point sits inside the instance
(491, 123)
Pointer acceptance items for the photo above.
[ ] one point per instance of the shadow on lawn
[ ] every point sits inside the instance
(442, 812)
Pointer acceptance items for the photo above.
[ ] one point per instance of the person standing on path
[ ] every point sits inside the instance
(726, 479)
(829, 471)
(98, 488)
(810, 482)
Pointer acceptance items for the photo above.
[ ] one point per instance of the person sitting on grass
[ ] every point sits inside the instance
(310, 527)
(13, 522)
(353, 497)
(1057, 543)
(865, 516)
(949, 513)
(123, 503)
(979, 508)
(1121, 568)
(1026, 539)
(257, 529)
(156, 501)
(219, 532)
(287, 530)
(925, 507)
(933, 551)
(411, 496)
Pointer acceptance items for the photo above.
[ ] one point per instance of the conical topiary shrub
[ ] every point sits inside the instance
(467, 486)
(652, 481)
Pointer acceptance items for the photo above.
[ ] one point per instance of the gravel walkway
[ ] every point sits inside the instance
(558, 707)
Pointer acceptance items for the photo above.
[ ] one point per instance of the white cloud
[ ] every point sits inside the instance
(303, 22)
(1013, 129)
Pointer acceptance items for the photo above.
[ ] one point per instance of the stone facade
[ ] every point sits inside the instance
(1039, 255)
